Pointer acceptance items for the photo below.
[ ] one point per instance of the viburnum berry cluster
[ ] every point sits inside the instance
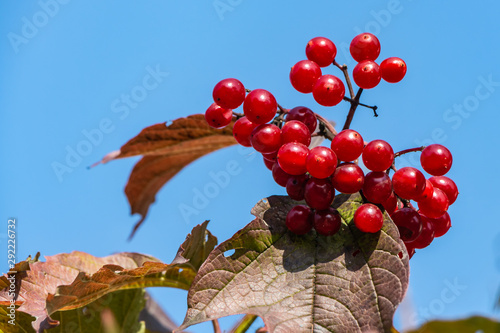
(313, 174)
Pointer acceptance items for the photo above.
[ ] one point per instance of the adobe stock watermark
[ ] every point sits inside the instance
(451, 291)
(455, 115)
(121, 107)
(31, 25)
(224, 6)
(218, 181)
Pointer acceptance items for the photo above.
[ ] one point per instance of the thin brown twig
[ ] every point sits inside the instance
(411, 150)
(331, 132)
(343, 68)
(216, 325)
(352, 110)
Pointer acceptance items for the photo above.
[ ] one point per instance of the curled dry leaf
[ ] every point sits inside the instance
(166, 150)
(348, 282)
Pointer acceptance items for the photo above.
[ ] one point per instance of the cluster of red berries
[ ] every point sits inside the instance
(329, 90)
(315, 174)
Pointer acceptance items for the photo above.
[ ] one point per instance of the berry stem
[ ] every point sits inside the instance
(238, 115)
(216, 326)
(354, 105)
(374, 107)
(411, 150)
(343, 68)
(326, 128)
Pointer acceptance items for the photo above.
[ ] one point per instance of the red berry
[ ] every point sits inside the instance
(366, 74)
(271, 156)
(410, 249)
(321, 162)
(260, 106)
(378, 155)
(329, 90)
(299, 220)
(377, 187)
(426, 235)
(408, 222)
(347, 145)
(292, 158)
(242, 130)
(303, 75)
(296, 186)
(434, 206)
(408, 183)
(391, 204)
(368, 218)
(365, 46)
(229, 93)
(280, 176)
(348, 178)
(393, 69)
(436, 159)
(427, 193)
(446, 185)
(218, 117)
(327, 222)
(266, 138)
(268, 163)
(321, 50)
(441, 224)
(303, 114)
(319, 193)
(295, 131)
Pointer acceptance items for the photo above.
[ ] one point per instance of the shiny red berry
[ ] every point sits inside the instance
(378, 155)
(303, 114)
(366, 74)
(299, 220)
(393, 69)
(327, 222)
(447, 185)
(218, 117)
(377, 187)
(391, 204)
(441, 224)
(260, 106)
(321, 50)
(426, 235)
(347, 145)
(408, 183)
(296, 186)
(329, 90)
(229, 93)
(295, 131)
(434, 206)
(427, 193)
(266, 138)
(348, 178)
(368, 218)
(321, 162)
(280, 177)
(408, 222)
(365, 46)
(319, 193)
(269, 163)
(292, 158)
(242, 130)
(436, 159)
(303, 75)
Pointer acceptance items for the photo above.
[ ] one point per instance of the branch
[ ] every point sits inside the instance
(244, 324)
(330, 131)
(343, 68)
(215, 323)
(354, 105)
(411, 150)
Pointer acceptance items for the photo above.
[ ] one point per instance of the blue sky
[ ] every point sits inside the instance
(68, 66)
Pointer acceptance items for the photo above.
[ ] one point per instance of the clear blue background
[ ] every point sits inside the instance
(65, 76)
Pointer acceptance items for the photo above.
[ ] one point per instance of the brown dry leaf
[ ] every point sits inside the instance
(166, 150)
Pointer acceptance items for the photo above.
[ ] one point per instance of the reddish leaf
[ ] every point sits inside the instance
(166, 150)
(349, 282)
(70, 281)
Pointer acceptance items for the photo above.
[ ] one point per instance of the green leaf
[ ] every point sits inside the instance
(469, 325)
(349, 282)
